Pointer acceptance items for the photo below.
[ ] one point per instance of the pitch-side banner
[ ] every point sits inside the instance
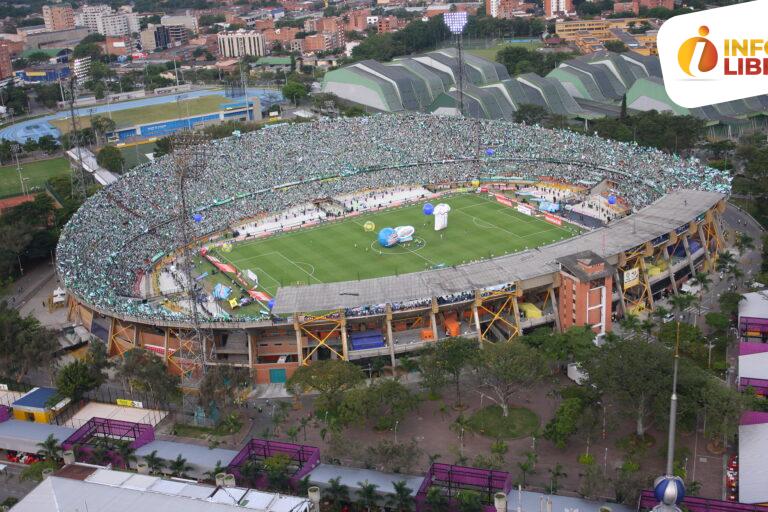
(715, 55)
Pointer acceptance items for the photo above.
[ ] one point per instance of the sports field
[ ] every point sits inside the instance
(36, 174)
(153, 113)
(478, 228)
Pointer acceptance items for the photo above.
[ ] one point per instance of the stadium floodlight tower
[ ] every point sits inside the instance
(456, 21)
(78, 185)
(190, 157)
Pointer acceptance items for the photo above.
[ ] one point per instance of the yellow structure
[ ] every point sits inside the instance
(35, 406)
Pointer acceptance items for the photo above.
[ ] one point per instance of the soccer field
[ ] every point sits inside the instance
(478, 228)
(152, 113)
(36, 174)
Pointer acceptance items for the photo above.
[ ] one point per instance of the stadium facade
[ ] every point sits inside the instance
(586, 87)
(589, 279)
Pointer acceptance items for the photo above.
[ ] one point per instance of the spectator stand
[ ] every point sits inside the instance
(303, 459)
(108, 435)
(454, 479)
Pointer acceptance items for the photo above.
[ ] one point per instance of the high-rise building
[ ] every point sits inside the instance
(6, 68)
(58, 17)
(101, 19)
(240, 43)
(553, 8)
(91, 14)
(187, 20)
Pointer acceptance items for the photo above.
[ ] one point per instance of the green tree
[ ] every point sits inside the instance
(527, 467)
(75, 379)
(143, 371)
(555, 474)
(276, 468)
(367, 495)
(24, 343)
(337, 492)
(111, 159)
(330, 378)
(635, 374)
(295, 91)
(469, 501)
(179, 467)
(102, 125)
(531, 114)
(565, 422)
(126, 454)
(448, 359)
(50, 449)
(729, 303)
(616, 46)
(505, 369)
(154, 463)
(91, 50)
(384, 403)
(436, 501)
(402, 499)
(250, 471)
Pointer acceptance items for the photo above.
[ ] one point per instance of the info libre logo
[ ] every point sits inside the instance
(716, 55)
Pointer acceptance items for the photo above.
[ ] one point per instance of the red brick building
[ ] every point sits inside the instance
(650, 4)
(357, 20)
(586, 291)
(317, 43)
(554, 8)
(628, 7)
(6, 68)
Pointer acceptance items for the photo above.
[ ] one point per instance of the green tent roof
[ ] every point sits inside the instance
(50, 52)
(274, 61)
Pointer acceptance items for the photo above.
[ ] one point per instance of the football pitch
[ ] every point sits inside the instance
(478, 228)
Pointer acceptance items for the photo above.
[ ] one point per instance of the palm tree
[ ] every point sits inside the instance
(402, 500)
(528, 466)
(725, 260)
(702, 280)
(126, 454)
(50, 449)
(250, 470)
(681, 302)
(292, 433)
(460, 426)
(154, 463)
(366, 495)
(647, 326)
(218, 468)
(660, 312)
(179, 466)
(555, 474)
(630, 322)
(100, 454)
(303, 422)
(337, 492)
(436, 500)
(744, 241)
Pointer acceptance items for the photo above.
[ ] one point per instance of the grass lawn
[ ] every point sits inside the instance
(478, 228)
(135, 154)
(36, 172)
(153, 113)
(490, 53)
(490, 422)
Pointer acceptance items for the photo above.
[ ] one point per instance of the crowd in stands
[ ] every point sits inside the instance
(128, 225)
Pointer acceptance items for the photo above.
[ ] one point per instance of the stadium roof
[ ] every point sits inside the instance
(666, 214)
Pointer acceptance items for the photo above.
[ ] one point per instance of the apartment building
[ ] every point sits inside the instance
(242, 42)
(58, 17)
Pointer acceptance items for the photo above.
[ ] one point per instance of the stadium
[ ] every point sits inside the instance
(366, 237)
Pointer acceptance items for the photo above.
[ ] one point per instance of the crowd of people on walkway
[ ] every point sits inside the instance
(127, 226)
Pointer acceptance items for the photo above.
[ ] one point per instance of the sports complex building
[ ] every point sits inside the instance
(586, 87)
(287, 267)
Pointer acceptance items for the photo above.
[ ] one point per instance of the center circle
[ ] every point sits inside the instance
(416, 245)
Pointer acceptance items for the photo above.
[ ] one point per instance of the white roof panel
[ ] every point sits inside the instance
(753, 452)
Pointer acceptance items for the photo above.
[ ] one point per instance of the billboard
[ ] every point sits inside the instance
(557, 221)
(631, 277)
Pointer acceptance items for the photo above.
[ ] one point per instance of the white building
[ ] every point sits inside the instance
(101, 19)
(188, 21)
(242, 42)
(79, 487)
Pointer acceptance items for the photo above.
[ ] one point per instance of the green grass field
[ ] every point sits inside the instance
(36, 172)
(490, 53)
(135, 154)
(478, 228)
(153, 113)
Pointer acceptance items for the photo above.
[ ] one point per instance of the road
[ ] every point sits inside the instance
(11, 486)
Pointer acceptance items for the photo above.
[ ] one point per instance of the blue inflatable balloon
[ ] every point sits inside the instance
(271, 303)
(387, 237)
(428, 209)
(490, 152)
(198, 218)
(611, 199)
